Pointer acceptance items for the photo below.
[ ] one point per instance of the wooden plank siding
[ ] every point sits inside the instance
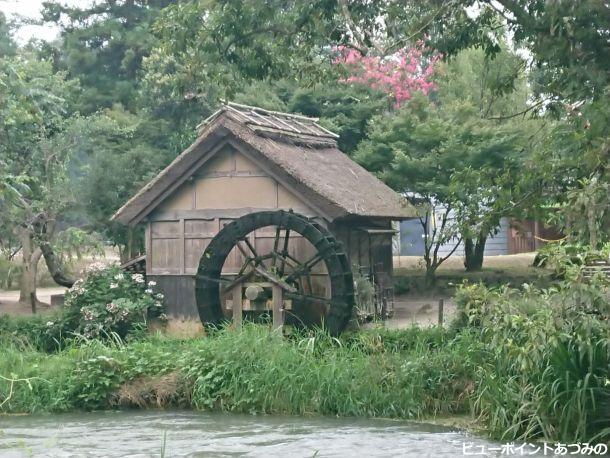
(226, 187)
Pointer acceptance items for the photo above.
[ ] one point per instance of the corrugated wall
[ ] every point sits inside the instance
(412, 241)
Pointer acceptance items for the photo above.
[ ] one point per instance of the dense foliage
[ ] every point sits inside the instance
(526, 364)
(405, 374)
(548, 362)
(108, 304)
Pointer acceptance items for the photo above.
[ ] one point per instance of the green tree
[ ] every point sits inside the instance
(33, 107)
(7, 45)
(460, 153)
(115, 153)
(456, 156)
(103, 45)
(570, 72)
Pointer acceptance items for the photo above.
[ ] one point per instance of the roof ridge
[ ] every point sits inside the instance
(280, 121)
(271, 112)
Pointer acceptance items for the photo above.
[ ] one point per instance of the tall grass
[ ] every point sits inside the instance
(528, 364)
(412, 374)
(548, 374)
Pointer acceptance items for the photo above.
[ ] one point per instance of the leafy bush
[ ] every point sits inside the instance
(567, 259)
(41, 332)
(110, 301)
(548, 370)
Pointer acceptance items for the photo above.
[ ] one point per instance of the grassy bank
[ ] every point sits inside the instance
(408, 374)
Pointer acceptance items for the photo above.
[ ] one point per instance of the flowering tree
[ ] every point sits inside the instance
(399, 75)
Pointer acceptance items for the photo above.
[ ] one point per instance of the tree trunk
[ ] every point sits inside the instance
(430, 280)
(55, 267)
(46, 229)
(30, 259)
(473, 253)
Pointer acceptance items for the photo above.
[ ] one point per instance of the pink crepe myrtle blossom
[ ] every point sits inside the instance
(399, 75)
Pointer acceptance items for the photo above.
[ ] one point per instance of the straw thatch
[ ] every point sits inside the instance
(296, 148)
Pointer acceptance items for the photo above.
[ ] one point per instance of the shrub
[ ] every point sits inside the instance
(111, 302)
(548, 370)
(567, 259)
(41, 332)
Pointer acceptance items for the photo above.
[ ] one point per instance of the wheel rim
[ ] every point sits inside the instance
(234, 234)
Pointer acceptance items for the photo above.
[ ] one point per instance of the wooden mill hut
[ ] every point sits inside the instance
(248, 159)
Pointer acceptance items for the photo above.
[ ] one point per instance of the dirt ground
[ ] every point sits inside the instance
(509, 261)
(422, 311)
(9, 301)
(410, 309)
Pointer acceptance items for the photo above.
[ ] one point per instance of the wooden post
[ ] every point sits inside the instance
(278, 312)
(441, 304)
(237, 307)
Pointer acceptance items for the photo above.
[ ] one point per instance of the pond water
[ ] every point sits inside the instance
(197, 434)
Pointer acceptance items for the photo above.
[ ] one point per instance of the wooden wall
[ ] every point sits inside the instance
(228, 186)
(371, 253)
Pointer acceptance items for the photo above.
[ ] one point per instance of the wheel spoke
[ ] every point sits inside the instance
(275, 279)
(306, 267)
(276, 243)
(247, 240)
(308, 297)
(240, 278)
(284, 251)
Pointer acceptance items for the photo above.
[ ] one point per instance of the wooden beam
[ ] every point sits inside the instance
(278, 307)
(176, 215)
(148, 244)
(231, 174)
(275, 280)
(237, 307)
(181, 254)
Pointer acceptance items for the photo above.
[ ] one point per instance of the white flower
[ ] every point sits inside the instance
(148, 291)
(138, 278)
(50, 323)
(111, 307)
(95, 267)
(113, 285)
(77, 289)
(118, 276)
(152, 283)
(159, 296)
(102, 358)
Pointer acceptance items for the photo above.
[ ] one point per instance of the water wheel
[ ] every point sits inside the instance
(277, 267)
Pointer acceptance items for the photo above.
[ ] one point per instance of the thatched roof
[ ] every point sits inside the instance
(296, 148)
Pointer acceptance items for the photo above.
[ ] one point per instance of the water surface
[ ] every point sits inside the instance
(199, 434)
